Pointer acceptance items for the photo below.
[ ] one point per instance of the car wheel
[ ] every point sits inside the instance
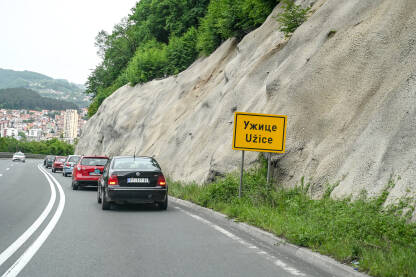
(163, 205)
(99, 196)
(105, 205)
(75, 185)
(53, 170)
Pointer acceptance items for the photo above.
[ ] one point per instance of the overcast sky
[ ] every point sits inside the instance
(56, 37)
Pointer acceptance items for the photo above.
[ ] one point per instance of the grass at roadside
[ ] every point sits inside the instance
(362, 233)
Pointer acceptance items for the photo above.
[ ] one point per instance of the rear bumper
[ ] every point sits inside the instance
(18, 159)
(137, 195)
(86, 178)
(83, 183)
(68, 169)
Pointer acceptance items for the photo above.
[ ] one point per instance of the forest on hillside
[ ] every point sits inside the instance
(22, 98)
(164, 37)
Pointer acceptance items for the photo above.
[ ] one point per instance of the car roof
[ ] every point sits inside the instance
(98, 157)
(118, 157)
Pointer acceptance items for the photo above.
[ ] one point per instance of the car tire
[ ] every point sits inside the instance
(105, 205)
(99, 196)
(163, 205)
(53, 170)
(75, 185)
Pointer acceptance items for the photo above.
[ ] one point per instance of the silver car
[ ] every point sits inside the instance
(19, 156)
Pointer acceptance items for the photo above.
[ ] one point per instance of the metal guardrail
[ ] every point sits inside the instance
(8, 155)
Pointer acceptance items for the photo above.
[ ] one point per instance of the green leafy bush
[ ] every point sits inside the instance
(149, 62)
(181, 51)
(229, 18)
(292, 17)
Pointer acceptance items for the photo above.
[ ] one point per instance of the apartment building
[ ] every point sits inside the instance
(70, 125)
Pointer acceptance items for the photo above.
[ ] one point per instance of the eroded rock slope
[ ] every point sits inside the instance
(346, 79)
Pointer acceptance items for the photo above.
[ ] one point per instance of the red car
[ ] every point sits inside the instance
(58, 163)
(88, 170)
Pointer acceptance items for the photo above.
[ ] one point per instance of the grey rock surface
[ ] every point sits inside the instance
(346, 79)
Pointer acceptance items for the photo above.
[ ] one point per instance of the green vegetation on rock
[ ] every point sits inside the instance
(52, 147)
(361, 233)
(162, 38)
(292, 17)
(22, 98)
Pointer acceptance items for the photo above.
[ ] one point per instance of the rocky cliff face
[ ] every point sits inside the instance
(346, 80)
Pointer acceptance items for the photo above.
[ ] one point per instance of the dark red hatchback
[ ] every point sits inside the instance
(58, 163)
(88, 170)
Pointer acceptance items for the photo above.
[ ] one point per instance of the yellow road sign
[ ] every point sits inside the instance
(259, 132)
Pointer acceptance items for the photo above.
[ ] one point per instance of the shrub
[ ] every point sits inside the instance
(149, 62)
(181, 51)
(292, 17)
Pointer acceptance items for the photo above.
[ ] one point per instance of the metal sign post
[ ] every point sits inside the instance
(269, 158)
(241, 175)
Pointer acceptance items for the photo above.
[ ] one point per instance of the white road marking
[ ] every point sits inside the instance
(268, 256)
(28, 233)
(0, 176)
(8, 168)
(15, 269)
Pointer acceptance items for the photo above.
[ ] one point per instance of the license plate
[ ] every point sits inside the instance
(95, 172)
(137, 180)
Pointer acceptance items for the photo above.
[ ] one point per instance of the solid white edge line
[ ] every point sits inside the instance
(279, 263)
(15, 269)
(6, 254)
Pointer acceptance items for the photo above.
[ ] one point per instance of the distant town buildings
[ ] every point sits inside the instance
(42, 125)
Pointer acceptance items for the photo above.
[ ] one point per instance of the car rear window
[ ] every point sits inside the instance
(94, 161)
(135, 163)
(73, 159)
(61, 159)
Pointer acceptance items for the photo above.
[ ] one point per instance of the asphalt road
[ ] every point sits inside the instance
(76, 238)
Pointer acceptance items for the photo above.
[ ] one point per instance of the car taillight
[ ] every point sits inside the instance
(113, 180)
(161, 181)
(67, 164)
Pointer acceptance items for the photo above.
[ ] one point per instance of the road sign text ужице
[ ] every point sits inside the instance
(259, 132)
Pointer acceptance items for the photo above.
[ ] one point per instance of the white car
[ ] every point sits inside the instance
(19, 156)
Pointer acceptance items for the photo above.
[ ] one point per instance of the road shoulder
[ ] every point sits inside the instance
(273, 242)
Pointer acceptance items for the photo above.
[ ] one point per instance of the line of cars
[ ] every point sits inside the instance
(120, 179)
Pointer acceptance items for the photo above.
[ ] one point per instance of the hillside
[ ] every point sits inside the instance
(345, 79)
(46, 86)
(22, 98)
